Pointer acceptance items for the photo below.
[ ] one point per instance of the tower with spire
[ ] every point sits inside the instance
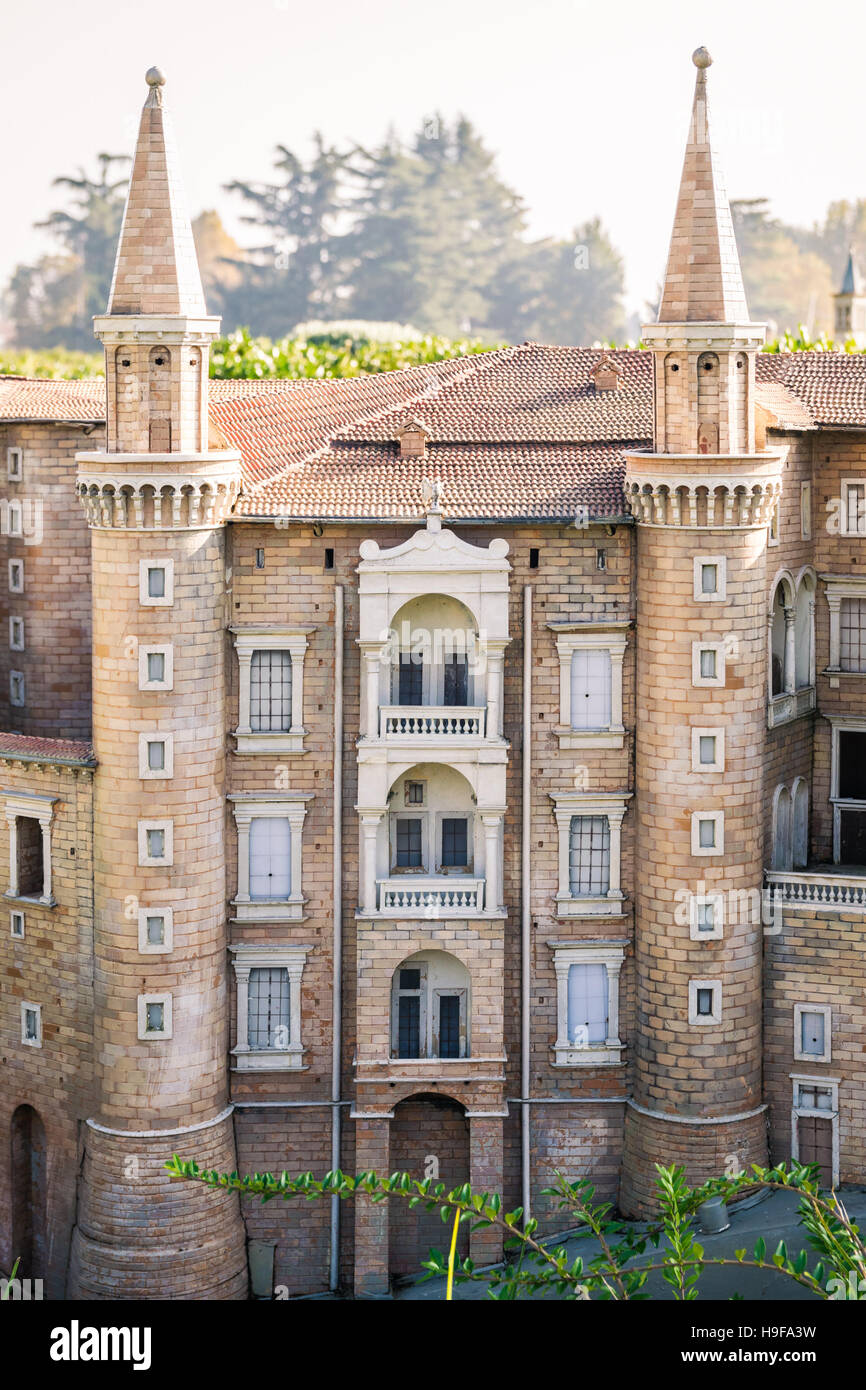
(703, 500)
(156, 501)
(849, 305)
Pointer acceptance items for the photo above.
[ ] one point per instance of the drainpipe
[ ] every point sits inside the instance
(337, 892)
(525, 898)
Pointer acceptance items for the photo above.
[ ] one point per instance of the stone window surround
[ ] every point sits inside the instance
(697, 900)
(844, 484)
(264, 638)
(718, 765)
(15, 463)
(608, 636)
(250, 956)
(17, 689)
(708, 851)
(16, 634)
(827, 1012)
(32, 806)
(290, 806)
(720, 594)
(718, 680)
(165, 649)
(826, 1083)
(148, 1035)
(806, 511)
(16, 576)
(167, 859)
(840, 724)
(144, 597)
(838, 587)
(28, 1007)
(613, 805)
(149, 774)
(16, 924)
(144, 946)
(610, 954)
(713, 1019)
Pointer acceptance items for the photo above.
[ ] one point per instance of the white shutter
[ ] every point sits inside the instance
(587, 1003)
(270, 858)
(590, 689)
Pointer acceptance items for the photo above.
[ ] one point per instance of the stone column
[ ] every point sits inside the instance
(370, 822)
(492, 823)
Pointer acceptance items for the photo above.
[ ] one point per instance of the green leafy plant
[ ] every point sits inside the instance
(5, 1290)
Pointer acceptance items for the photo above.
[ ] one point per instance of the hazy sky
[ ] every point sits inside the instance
(586, 104)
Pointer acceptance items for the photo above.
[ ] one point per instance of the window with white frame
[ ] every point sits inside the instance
(154, 1017)
(17, 690)
(268, 982)
(271, 689)
(587, 994)
(773, 528)
(270, 863)
(16, 925)
(430, 1007)
(708, 664)
(155, 930)
(812, 1028)
(709, 578)
(156, 582)
(590, 837)
(14, 519)
(14, 464)
(708, 832)
(852, 634)
(16, 576)
(156, 843)
(853, 517)
(155, 756)
(705, 1002)
(590, 683)
(156, 666)
(31, 1024)
(806, 511)
(706, 915)
(708, 750)
(29, 817)
(16, 634)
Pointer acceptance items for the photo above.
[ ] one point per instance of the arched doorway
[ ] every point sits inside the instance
(28, 1193)
(429, 1137)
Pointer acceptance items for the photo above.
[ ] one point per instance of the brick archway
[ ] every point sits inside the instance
(28, 1192)
(429, 1137)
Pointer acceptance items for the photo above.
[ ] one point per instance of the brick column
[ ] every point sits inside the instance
(372, 1151)
(485, 1175)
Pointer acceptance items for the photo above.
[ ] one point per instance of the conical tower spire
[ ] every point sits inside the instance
(703, 283)
(156, 271)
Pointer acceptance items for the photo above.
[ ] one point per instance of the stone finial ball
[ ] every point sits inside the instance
(154, 78)
(701, 58)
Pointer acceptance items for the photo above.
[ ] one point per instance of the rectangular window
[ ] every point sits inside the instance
(270, 858)
(705, 1002)
(456, 681)
(31, 866)
(455, 843)
(31, 1024)
(708, 663)
(587, 1004)
(156, 583)
(811, 1034)
(15, 465)
(155, 844)
(156, 667)
(413, 794)
(16, 688)
(268, 1009)
(854, 507)
(409, 1025)
(806, 511)
(590, 689)
(709, 577)
(155, 930)
(409, 851)
(154, 1016)
(852, 765)
(411, 681)
(16, 634)
(271, 692)
(155, 589)
(449, 1025)
(589, 856)
(708, 832)
(16, 925)
(706, 913)
(852, 634)
(156, 755)
(707, 748)
(16, 576)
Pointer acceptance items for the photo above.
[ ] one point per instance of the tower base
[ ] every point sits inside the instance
(142, 1234)
(706, 1149)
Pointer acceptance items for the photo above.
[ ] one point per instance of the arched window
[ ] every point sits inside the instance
(159, 400)
(782, 646)
(782, 856)
(430, 1007)
(800, 832)
(804, 632)
(708, 403)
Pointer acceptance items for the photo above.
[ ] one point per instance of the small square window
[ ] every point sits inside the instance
(708, 664)
(154, 1016)
(16, 925)
(708, 750)
(601, 559)
(156, 583)
(16, 688)
(15, 464)
(854, 508)
(329, 558)
(706, 916)
(155, 930)
(705, 1002)
(16, 576)
(806, 511)
(414, 793)
(707, 746)
(156, 842)
(155, 755)
(260, 558)
(31, 1024)
(710, 578)
(16, 634)
(812, 1032)
(156, 667)
(708, 832)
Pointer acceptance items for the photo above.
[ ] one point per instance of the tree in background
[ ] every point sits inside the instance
(54, 300)
(218, 254)
(789, 273)
(562, 291)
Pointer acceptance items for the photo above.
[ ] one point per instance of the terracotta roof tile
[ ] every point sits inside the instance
(46, 750)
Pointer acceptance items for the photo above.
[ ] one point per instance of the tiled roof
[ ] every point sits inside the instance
(519, 432)
(45, 750)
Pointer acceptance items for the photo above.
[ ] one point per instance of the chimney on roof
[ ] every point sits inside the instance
(607, 374)
(413, 438)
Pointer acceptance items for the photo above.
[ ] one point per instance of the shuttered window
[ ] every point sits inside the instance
(587, 1004)
(589, 855)
(590, 689)
(268, 1005)
(271, 692)
(270, 858)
